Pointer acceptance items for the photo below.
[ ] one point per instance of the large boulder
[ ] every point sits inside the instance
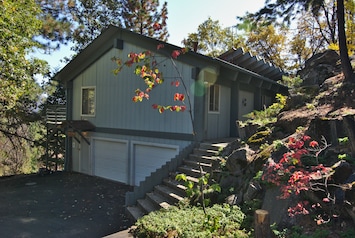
(320, 67)
(239, 159)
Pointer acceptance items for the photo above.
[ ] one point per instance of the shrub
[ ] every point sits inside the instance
(266, 116)
(300, 172)
(190, 222)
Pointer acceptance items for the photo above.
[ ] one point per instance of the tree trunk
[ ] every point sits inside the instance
(262, 224)
(344, 57)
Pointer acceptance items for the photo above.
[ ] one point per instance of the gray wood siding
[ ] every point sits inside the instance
(218, 123)
(114, 105)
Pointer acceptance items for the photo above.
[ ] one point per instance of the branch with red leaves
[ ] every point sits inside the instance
(146, 68)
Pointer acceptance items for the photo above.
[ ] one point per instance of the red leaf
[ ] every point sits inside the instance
(313, 144)
(175, 54)
(157, 26)
(326, 200)
(175, 83)
(160, 46)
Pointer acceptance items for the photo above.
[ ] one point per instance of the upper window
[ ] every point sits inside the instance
(88, 101)
(213, 104)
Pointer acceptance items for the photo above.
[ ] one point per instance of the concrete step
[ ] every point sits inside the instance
(135, 212)
(158, 200)
(193, 172)
(213, 146)
(146, 205)
(177, 185)
(172, 191)
(202, 158)
(196, 164)
(205, 152)
(171, 194)
(189, 178)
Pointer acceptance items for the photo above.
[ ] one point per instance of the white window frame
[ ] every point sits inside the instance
(217, 100)
(81, 101)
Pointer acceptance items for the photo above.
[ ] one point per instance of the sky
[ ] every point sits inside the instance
(184, 17)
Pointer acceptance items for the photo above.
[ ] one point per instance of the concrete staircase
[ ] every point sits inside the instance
(170, 192)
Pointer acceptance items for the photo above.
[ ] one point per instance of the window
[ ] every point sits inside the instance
(213, 98)
(88, 101)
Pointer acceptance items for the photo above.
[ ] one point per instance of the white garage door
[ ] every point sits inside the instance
(149, 158)
(111, 160)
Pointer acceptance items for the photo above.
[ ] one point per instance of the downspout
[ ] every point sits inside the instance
(69, 116)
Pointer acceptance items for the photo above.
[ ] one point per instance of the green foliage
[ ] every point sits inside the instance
(191, 222)
(200, 191)
(18, 26)
(146, 18)
(310, 106)
(19, 91)
(268, 115)
(268, 41)
(277, 144)
(248, 208)
(320, 232)
(332, 24)
(18, 154)
(81, 21)
(349, 233)
(343, 141)
(211, 39)
(259, 137)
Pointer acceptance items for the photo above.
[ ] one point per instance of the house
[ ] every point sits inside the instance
(112, 137)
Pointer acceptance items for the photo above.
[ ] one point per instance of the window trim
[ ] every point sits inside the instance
(81, 101)
(218, 103)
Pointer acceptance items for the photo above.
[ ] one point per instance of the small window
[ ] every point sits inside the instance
(88, 101)
(213, 98)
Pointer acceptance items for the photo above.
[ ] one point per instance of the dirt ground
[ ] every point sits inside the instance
(61, 204)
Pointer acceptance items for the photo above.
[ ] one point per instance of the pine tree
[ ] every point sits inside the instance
(145, 17)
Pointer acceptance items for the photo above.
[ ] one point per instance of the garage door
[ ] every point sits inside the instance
(149, 158)
(111, 160)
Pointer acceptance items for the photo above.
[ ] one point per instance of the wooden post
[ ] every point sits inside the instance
(262, 224)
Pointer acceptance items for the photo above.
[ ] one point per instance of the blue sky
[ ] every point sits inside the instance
(184, 16)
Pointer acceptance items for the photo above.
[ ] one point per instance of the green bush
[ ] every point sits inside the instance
(266, 116)
(190, 222)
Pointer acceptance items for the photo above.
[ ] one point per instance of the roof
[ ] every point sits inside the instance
(235, 60)
(253, 63)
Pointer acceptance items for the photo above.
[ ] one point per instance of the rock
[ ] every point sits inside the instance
(320, 67)
(276, 207)
(235, 144)
(245, 131)
(350, 194)
(295, 101)
(234, 199)
(239, 158)
(343, 170)
(253, 189)
(330, 129)
(229, 182)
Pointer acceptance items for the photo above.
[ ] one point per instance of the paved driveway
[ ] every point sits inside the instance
(61, 204)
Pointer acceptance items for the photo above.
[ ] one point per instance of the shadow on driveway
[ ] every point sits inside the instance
(61, 204)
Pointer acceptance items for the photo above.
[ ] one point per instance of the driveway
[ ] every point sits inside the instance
(61, 204)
